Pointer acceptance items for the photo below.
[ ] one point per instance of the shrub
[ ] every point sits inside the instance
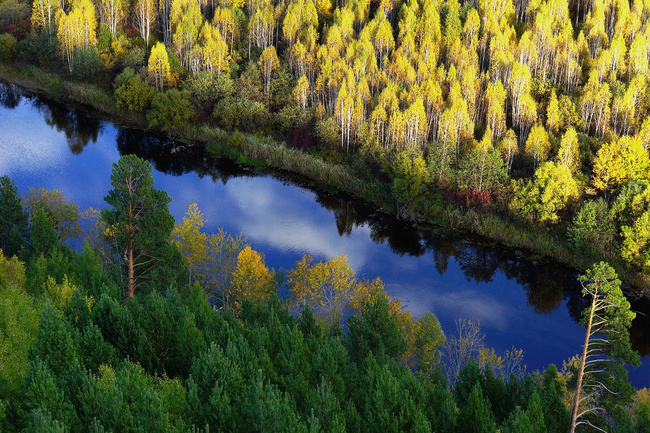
(170, 110)
(132, 92)
(243, 113)
(8, 45)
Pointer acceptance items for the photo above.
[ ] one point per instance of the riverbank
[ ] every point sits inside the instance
(353, 178)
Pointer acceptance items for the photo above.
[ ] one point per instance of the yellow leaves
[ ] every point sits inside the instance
(158, 66)
(485, 145)
(552, 189)
(509, 148)
(568, 154)
(326, 287)
(252, 280)
(210, 259)
(553, 114)
(324, 8)
(489, 357)
(537, 144)
(495, 116)
(111, 13)
(214, 51)
(59, 294)
(226, 21)
(12, 272)
(43, 13)
(301, 92)
(268, 63)
(191, 243)
(618, 162)
(76, 29)
(62, 213)
(636, 240)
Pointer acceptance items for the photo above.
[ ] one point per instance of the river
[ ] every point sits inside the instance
(519, 301)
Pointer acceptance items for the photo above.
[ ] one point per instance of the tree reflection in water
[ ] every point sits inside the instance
(170, 157)
(10, 96)
(78, 127)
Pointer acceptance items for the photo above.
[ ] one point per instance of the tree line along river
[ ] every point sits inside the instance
(519, 300)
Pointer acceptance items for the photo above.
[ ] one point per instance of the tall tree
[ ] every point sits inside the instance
(569, 153)
(145, 12)
(212, 260)
(158, 66)
(327, 288)
(252, 280)
(268, 63)
(214, 50)
(618, 162)
(186, 21)
(76, 29)
(11, 211)
(43, 13)
(552, 189)
(111, 13)
(606, 348)
(537, 145)
(62, 213)
(139, 222)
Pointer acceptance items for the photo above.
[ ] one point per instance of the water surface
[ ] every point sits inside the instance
(519, 302)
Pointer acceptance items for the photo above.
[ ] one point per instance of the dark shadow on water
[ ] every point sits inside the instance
(10, 96)
(173, 158)
(78, 127)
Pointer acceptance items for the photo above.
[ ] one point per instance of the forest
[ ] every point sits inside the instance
(155, 325)
(528, 116)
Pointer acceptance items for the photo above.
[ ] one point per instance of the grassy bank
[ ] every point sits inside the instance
(353, 178)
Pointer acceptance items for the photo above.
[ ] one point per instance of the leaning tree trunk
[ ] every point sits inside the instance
(583, 359)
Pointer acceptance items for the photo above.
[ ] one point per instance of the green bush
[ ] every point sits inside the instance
(8, 45)
(132, 91)
(87, 63)
(328, 132)
(243, 113)
(593, 228)
(170, 110)
(206, 89)
(41, 50)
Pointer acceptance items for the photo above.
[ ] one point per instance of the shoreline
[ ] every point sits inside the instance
(269, 154)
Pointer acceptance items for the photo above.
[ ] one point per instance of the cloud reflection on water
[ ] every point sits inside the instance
(26, 146)
(283, 217)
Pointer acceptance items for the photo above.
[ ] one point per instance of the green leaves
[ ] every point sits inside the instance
(410, 177)
(551, 191)
(592, 230)
(170, 110)
(139, 223)
(132, 92)
(607, 345)
(11, 210)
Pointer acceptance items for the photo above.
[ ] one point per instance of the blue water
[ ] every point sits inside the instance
(518, 303)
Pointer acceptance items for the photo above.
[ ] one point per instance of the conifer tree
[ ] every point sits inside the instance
(11, 210)
(606, 349)
(139, 222)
